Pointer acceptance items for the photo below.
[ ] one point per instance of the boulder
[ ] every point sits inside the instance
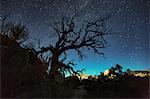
(21, 70)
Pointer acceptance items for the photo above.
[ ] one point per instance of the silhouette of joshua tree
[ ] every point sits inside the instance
(89, 36)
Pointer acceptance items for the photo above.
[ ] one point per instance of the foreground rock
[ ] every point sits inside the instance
(21, 71)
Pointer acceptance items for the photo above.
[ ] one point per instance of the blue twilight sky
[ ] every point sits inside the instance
(129, 47)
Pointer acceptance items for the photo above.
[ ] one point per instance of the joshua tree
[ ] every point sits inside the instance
(71, 36)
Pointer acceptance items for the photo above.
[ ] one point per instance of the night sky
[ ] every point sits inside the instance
(129, 45)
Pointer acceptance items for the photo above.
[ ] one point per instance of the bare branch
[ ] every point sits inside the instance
(72, 36)
(65, 57)
(57, 31)
(46, 49)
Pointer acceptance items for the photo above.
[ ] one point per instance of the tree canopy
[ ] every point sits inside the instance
(90, 35)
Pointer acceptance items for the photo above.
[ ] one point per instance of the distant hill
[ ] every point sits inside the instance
(141, 73)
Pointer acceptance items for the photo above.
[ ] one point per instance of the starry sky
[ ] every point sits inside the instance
(129, 45)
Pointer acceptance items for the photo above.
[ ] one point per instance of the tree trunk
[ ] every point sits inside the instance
(54, 66)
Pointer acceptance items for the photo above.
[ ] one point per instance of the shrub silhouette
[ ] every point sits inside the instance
(15, 31)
